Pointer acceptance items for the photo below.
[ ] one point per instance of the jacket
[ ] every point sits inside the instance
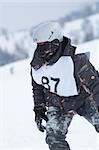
(86, 77)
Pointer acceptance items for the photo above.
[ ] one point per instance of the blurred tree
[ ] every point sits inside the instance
(88, 30)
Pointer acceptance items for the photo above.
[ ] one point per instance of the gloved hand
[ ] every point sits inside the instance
(39, 116)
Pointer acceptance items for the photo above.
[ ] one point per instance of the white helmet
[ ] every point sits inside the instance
(47, 32)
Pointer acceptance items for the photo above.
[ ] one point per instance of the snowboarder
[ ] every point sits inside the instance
(64, 84)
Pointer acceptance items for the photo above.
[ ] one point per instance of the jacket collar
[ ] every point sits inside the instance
(68, 49)
(65, 49)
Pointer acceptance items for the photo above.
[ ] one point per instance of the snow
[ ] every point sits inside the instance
(21, 39)
(18, 130)
(76, 24)
(77, 30)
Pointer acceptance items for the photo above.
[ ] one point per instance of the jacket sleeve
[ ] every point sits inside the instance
(38, 94)
(89, 77)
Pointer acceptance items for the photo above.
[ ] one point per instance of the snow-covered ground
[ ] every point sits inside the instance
(17, 128)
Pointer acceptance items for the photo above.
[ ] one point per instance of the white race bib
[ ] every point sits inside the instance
(58, 78)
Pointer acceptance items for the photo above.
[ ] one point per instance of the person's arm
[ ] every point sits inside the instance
(39, 104)
(38, 94)
(89, 77)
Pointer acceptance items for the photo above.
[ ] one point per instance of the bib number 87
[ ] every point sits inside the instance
(45, 82)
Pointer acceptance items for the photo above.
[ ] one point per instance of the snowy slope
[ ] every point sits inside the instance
(17, 127)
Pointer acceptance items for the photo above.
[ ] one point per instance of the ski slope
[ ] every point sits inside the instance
(18, 130)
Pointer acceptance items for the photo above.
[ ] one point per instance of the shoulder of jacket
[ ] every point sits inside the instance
(83, 56)
(81, 59)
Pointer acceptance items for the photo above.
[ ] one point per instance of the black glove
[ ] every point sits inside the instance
(39, 116)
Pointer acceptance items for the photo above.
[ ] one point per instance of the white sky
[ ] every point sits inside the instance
(22, 14)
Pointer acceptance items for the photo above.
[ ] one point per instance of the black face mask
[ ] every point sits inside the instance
(48, 49)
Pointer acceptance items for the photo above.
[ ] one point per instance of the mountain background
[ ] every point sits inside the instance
(81, 26)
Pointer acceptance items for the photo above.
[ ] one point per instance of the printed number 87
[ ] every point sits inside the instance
(45, 81)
